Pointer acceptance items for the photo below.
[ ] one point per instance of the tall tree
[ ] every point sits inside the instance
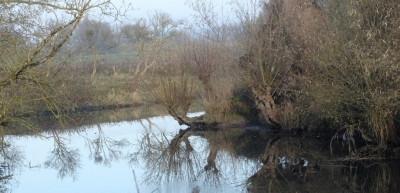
(149, 38)
(95, 37)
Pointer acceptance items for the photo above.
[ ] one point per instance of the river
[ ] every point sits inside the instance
(155, 154)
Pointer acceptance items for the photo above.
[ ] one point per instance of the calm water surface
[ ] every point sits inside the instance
(108, 157)
(157, 155)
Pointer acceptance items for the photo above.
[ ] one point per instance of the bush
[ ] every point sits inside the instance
(357, 85)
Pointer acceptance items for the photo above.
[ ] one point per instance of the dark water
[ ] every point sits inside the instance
(157, 155)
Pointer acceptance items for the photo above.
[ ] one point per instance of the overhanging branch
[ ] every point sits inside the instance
(29, 63)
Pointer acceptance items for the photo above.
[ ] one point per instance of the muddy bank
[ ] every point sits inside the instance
(80, 110)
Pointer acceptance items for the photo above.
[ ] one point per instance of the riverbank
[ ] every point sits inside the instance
(84, 116)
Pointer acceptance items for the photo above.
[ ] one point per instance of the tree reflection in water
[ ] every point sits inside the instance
(190, 155)
(67, 161)
(166, 159)
(11, 161)
(255, 160)
(103, 149)
(289, 164)
(298, 164)
(63, 158)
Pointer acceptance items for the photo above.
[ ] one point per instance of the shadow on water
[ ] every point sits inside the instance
(288, 163)
(303, 164)
(249, 159)
(11, 161)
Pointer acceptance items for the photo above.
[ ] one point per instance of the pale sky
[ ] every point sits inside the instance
(178, 9)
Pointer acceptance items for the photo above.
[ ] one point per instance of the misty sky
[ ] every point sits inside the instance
(177, 8)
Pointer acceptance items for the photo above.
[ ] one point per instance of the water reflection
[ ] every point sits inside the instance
(298, 164)
(210, 157)
(154, 155)
(63, 158)
(104, 149)
(11, 161)
(167, 157)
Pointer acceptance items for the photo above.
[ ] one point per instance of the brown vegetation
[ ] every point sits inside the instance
(294, 65)
(316, 62)
(358, 63)
(316, 65)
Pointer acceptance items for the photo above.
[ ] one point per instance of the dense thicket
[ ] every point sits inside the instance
(339, 66)
(317, 65)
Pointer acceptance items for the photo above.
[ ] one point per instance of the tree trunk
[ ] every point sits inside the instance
(392, 132)
(211, 160)
(265, 103)
(183, 119)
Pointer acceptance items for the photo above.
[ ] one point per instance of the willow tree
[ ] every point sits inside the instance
(151, 39)
(32, 34)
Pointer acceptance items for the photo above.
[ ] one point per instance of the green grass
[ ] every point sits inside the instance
(106, 59)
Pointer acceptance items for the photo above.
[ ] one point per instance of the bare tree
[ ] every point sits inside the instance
(149, 38)
(96, 38)
(28, 42)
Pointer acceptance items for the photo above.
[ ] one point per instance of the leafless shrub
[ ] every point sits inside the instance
(175, 92)
(358, 65)
(206, 63)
